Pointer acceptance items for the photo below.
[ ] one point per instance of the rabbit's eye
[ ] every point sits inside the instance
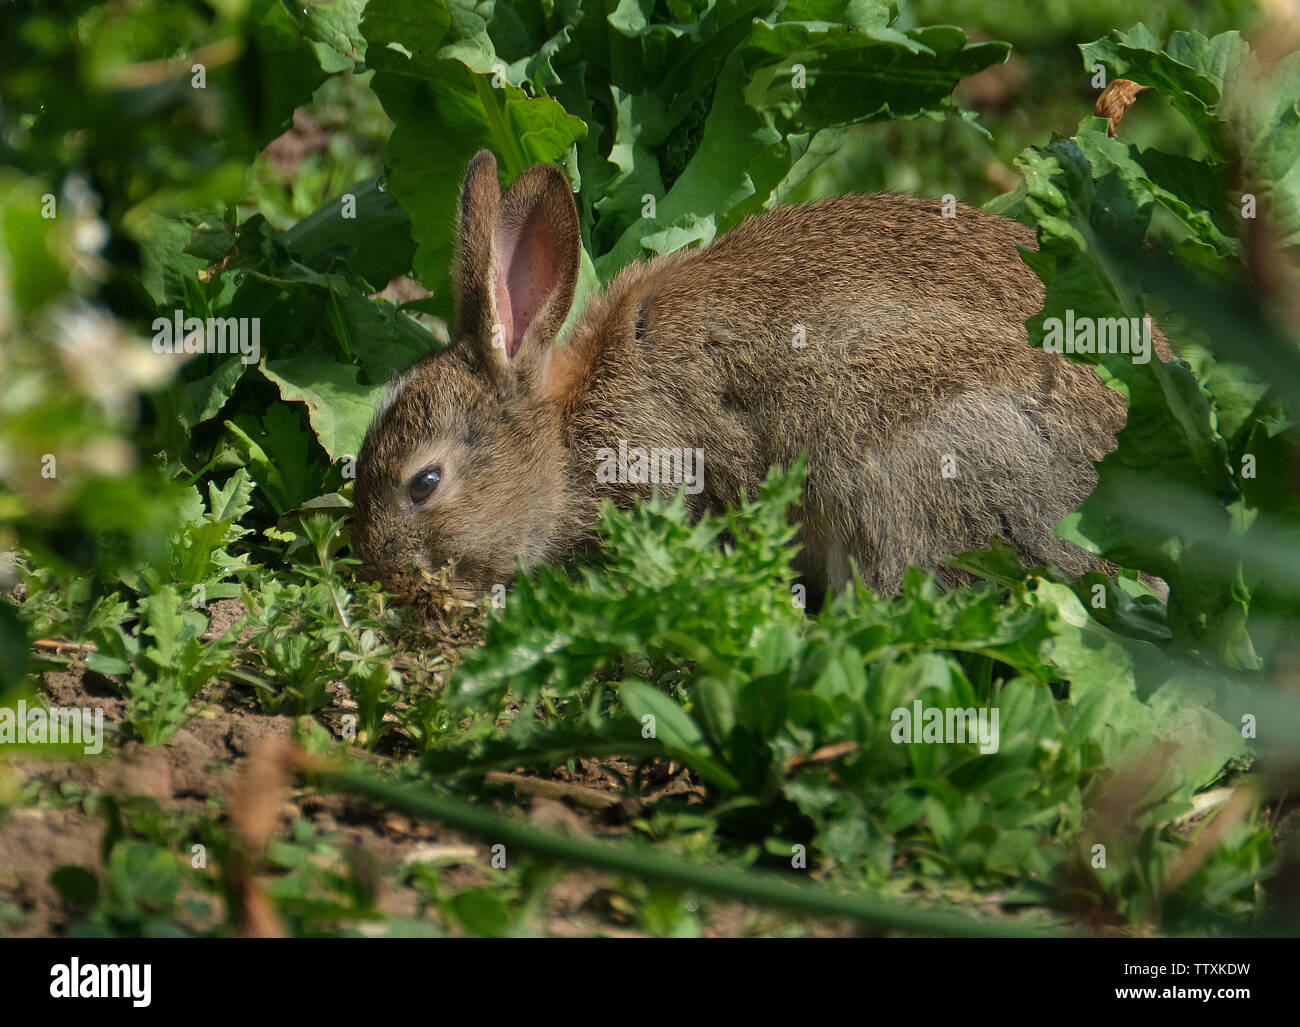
(424, 484)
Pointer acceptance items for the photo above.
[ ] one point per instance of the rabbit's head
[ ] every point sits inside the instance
(463, 466)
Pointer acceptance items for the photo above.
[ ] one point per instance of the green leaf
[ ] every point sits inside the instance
(333, 28)
(1262, 106)
(1190, 71)
(376, 242)
(446, 103)
(339, 407)
(230, 502)
(761, 122)
(13, 648)
(76, 885)
(481, 911)
(674, 727)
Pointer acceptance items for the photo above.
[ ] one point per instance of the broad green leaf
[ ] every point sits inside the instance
(440, 90)
(340, 408)
(673, 726)
(763, 120)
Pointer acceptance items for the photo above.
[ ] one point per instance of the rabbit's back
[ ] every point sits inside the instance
(887, 342)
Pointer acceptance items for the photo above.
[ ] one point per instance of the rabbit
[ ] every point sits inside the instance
(883, 339)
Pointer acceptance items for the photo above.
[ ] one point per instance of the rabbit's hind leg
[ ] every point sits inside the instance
(980, 468)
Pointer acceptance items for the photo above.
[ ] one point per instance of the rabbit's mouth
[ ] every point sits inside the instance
(466, 579)
(421, 588)
(448, 609)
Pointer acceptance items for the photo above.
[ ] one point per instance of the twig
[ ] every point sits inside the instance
(582, 794)
(59, 646)
(826, 754)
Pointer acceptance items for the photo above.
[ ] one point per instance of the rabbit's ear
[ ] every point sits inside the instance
(518, 262)
(480, 198)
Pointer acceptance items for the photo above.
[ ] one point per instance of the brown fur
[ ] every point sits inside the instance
(915, 348)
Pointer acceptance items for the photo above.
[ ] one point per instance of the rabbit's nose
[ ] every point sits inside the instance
(400, 573)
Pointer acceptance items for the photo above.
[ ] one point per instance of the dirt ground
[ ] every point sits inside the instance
(203, 759)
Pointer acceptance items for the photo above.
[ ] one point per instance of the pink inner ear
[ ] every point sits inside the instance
(524, 278)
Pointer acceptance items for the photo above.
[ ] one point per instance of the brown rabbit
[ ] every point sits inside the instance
(883, 339)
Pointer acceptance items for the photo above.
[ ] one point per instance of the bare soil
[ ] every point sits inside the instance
(193, 772)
